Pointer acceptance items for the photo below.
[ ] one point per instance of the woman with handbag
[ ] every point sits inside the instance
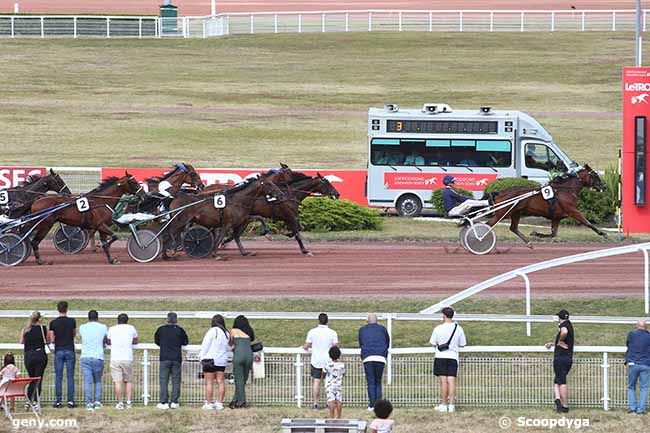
(241, 336)
(214, 358)
(36, 342)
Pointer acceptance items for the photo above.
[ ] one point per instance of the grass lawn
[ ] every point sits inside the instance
(267, 420)
(291, 333)
(301, 99)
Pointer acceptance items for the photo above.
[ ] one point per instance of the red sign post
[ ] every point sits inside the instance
(636, 154)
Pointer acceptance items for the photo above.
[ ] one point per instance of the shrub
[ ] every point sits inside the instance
(600, 207)
(510, 182)
(322, 214)
(436, 199)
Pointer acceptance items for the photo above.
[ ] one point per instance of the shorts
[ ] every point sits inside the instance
(334, 394)
(316, 373)
(445, 367)
(121, 371)
(214, 368)
(561, 368)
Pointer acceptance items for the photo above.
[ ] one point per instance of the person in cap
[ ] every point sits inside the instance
(170, 337)
(455, 204)
(562, 360)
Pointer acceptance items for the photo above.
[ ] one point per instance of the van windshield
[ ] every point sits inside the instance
(542, 157)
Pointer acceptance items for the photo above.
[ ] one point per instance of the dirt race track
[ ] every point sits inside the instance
(337, 269)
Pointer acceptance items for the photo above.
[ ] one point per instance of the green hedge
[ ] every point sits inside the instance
(436, 199)
(510, 182)
(321, 214)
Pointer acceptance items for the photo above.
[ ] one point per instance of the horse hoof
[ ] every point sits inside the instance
(268, 237)
(308, 254)
(220, 258)
(249, 254)
(42, 262)
(529, 245)
(115, 262)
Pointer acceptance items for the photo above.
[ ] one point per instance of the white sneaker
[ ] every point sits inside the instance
(370, 409)
(451, 408)
(119, 406)
(174, 405)
(207, 406)
(162, 406)
(90, 407)
(441, 408)
(217, 405)
(98, 405)
(129, 405)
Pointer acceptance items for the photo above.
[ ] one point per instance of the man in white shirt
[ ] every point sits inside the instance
(448, 339)
(319, 340)
(121, 338)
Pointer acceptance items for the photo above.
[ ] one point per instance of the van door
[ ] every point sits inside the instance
(539, 160)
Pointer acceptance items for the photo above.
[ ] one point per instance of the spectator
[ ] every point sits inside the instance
(374, 342)
(62, 332)
(319, 340)
(382, 424)
(9, 372)
(121, 338)
(448, 339)
(170, 338)
(214, 359)
(34, 337)
(93, 340)
(637, 359)
(241, 337)
(334, 373)
(562, 360)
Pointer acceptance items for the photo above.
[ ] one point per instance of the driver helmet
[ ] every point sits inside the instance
(448, 180)
(181, 167)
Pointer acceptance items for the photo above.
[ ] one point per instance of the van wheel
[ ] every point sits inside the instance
(409, 206)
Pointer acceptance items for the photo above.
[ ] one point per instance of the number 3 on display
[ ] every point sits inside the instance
(4, 197)
(82, 204)
(219, 201)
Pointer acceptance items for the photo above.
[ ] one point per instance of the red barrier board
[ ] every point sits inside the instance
(349, 183)
(636, 117)
(11, 177)
(431, 181)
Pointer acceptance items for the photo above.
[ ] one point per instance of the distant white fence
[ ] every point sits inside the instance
(489, 376)
(79, 26)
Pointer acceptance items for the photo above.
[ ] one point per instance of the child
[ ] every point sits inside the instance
(9, 372)
(382, 424)
(334, 372)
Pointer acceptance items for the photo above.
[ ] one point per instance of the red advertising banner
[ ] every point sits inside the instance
(349, 183)
(431, 181)
(11, 177)
(636, 116)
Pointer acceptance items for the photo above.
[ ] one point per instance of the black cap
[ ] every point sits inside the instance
(563, 314)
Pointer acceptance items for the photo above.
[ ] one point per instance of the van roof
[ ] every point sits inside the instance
(417, 112)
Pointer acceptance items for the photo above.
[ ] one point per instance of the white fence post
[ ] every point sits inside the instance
(553, 21)
(42, 27)
(275, 23)
(322, 23)
(491, 21)
(399, 20)
(460, 21)
(252, 24)
(369, 21)
(389, 361)
(13, 34)
(145, 377)
(203, 25)
(583, 21)
(527, 283)
(521, 29)
(613, 21)
(605, 381)
(108, 27)
(347, 22)
(298, 366)
(140, 28)
(299, 23)
(430, 21)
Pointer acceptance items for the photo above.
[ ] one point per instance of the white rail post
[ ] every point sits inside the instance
(646, 280)
(521, 29)
(430, 21)
(108, 27)
(553, 21)
(399, 21)
(299, 23)
(583, 21)
(298, 366)
(42, 27)
(460, 21)
(322, 23)
(613, 21)
(13, 34)
(605, 381)
(227, 29)
(139, 28)
(145, 377)
(369, 21)
(491, 21)
(203, 24)
(347, 22)
(275, 23)
(389, 361)
(527, 283)
(252, 24)
(159, 27)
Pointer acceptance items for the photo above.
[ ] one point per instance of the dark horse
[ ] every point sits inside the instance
(98, 215)
(20, 198)
(564, 204)
(239, 200)
(288, 210)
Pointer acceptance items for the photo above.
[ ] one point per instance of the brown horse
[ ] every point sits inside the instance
(564, 204)
(20, 198)
(238, 202)
(96, 215)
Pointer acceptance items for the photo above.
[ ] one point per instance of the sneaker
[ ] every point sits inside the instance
(90, 407)
(565, 409)
(57, 405)
(217, 405)
(174, 405)
(315, 406)
(71, 405)
(441, 408)
(207, 406)
(371, 409)
(119, 406)
(162, 406)
(129, 404)
(98, 405)
(451, 408)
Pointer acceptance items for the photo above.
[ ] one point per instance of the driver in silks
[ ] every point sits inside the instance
(455, 204)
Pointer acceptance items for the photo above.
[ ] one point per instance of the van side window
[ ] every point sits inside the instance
(542, 157)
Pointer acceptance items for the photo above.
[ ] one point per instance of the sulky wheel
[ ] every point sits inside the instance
(70, 240)
(480, 239)
(147, 250)
(198, 242)
(461, 236)
(13, 251)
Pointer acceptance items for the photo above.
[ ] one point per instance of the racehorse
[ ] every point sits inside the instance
(20, 198)
(564, 204)
(288, 210)
(96, 216)
(237, 201)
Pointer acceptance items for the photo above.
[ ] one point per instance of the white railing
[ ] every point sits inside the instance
(76, 26)
(489, 376)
